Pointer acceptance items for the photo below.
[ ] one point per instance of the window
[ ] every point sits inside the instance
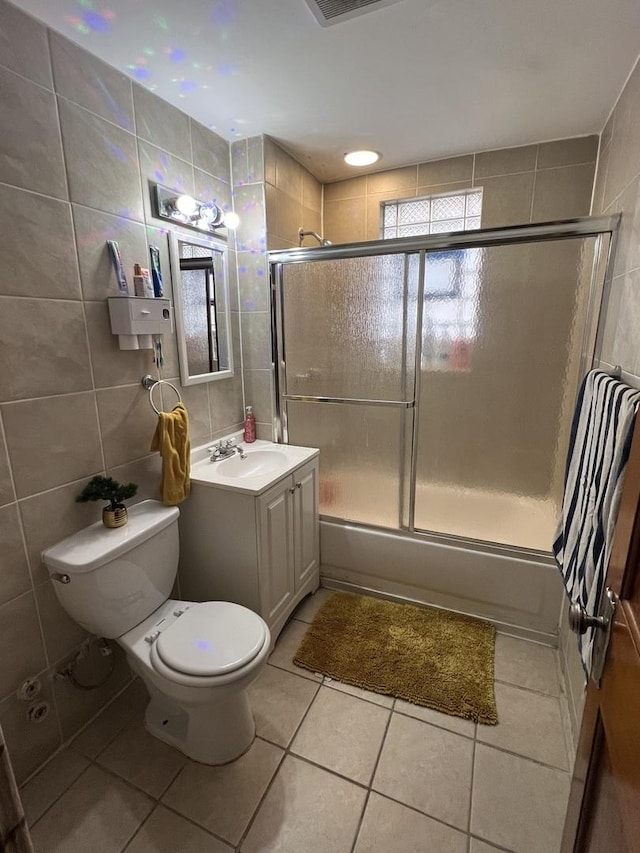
(433, 214)
(451, 276)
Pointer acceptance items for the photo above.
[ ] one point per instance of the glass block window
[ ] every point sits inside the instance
(434, 214)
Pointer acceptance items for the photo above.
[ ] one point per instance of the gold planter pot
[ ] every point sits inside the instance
(114, 517)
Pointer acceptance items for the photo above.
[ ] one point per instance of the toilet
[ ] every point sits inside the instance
(196, 659)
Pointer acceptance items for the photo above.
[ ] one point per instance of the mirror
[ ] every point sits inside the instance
(199, 274)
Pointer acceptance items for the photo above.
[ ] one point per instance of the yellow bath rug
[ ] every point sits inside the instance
(430, 657)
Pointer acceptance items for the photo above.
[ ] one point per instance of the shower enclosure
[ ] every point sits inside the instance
(438, 376)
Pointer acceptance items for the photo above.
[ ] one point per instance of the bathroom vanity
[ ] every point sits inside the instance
(249, 530)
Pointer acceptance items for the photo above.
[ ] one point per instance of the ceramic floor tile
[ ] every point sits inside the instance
(306, 809)
(130, 704)
(287, 646)
(52, 781)
(167, 832)
(310, 605)
(445, 721)
(517, 803)
(343, 734)
(530, 725)
(389, 826)
(279, 701)
(427, 768)
(97, 813)
(223, 799)
(527, 664)
(376, 698)
(143, 759)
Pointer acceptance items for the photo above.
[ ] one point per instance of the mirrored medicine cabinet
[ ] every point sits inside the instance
(199, 272)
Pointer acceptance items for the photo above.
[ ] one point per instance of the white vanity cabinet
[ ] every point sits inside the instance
(287, 518)
(256, 549)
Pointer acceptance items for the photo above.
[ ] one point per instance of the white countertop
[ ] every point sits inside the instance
(287, 457)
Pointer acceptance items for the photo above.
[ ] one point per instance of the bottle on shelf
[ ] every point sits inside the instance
(249, 433)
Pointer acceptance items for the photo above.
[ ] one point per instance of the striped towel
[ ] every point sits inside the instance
(599, 446)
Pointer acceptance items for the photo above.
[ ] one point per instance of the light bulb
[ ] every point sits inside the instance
(231, 220)
(186, 204)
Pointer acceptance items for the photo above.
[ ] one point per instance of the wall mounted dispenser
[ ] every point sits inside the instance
(134, 319)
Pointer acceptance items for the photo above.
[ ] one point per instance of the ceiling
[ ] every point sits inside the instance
(415, 80)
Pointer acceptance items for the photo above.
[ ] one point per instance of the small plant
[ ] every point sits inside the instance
(107, 489)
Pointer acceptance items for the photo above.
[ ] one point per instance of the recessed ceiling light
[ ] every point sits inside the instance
(361, 158)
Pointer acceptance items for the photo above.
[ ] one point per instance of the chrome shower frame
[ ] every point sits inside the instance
(604, 228)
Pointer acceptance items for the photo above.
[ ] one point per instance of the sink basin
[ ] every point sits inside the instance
(264, 464)
(255, 464)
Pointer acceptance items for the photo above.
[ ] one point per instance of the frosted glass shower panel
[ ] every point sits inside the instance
(361, 458)
(502, 337)
(350, 327)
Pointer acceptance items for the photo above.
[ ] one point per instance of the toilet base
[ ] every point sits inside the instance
(212, 733)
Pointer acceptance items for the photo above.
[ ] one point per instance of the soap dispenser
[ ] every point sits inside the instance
(249, 433)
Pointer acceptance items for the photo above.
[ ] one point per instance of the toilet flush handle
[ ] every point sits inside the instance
(57, 576)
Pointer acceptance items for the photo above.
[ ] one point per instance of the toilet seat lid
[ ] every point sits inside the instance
(212, 638)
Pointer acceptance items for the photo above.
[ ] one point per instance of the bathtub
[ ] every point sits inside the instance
(520, 592)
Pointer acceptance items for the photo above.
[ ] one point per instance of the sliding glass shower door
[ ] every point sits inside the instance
(502, 335)
(438, 377)
(348, 375)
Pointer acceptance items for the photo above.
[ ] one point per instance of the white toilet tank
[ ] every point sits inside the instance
(117, 577)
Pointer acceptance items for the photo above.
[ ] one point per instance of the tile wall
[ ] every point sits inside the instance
(247, 161)
(617, 190)
(530, 183)
(274, 196)
(78, 146)
(294, 199)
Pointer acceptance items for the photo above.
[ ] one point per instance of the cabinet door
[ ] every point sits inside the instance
(306, 531)
(276, 549)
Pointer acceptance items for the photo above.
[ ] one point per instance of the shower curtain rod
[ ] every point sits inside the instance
(586, 226)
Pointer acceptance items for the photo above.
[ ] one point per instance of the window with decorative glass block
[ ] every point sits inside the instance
(433, 214)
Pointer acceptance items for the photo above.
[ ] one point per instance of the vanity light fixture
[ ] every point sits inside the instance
(361, 158)
(183, 209)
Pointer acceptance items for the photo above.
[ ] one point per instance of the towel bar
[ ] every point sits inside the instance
(150, 383)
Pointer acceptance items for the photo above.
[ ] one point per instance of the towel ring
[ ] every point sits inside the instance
(150, 383)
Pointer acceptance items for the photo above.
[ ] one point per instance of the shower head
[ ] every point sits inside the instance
(302, 234)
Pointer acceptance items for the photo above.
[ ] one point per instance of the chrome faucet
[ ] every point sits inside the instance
(224, 449)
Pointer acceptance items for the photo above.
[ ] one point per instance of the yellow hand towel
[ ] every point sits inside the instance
(172, 440)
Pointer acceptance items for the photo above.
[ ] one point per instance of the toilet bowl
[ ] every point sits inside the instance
(197, 659)
(206, 714)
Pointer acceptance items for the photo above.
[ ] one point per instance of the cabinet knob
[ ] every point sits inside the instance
(291, 491)
(298, 485)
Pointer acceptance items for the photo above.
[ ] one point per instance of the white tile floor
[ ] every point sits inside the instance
(334, 769)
